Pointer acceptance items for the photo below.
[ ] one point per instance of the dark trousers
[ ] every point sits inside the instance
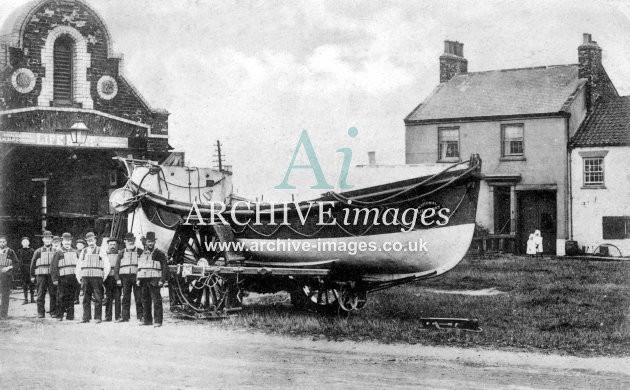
(129, 285)
(26, 283)
(112, 296)
(65, 296)
(151, 293)
(6, 282)
(44, 284)
(93, 289)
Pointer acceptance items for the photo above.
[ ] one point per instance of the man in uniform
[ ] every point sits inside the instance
(152, 273)
(92, 268)
(62, 268)
(25, 254)
(8, 261)
(80, 244)
(125, 273)
(56, 243)
(40, 274)
(112, 289)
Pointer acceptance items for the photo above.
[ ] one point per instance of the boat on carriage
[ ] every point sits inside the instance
(328, 252)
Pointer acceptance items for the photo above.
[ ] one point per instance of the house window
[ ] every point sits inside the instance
(593, 171)
(615, 228)
(512, 140)
(448, 143)
(62, 70)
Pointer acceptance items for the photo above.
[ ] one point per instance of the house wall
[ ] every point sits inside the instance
(590, 204)
(544, 165)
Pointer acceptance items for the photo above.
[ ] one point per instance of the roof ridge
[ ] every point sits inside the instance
(515, 69)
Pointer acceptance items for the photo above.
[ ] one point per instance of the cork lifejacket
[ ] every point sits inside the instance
(4, 259)
(129, 263)
(67, 263)
(148, 268)
(42, 266)
(92, 265)
(113, 260)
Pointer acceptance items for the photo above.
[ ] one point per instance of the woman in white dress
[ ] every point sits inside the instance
(538, 240)
(531, 246)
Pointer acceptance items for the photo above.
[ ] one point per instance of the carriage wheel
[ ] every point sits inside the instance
(199, 296)
(351, 299)
(315, 297)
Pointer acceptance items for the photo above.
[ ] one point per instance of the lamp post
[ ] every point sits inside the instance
(44, 209)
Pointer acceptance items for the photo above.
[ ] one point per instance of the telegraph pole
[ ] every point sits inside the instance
(219, 156)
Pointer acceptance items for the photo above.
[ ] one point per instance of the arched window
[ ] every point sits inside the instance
(62, 60)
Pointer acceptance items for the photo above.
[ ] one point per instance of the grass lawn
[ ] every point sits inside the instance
(563, 306)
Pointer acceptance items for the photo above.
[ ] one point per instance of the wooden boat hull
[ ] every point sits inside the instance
(364, 248)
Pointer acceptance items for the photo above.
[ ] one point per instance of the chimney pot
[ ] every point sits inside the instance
(372, 158)
(587, 38)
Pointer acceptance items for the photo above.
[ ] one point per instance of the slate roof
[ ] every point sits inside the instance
(608, 125)
(525, 91)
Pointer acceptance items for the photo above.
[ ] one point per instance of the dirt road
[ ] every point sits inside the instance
(183, 354)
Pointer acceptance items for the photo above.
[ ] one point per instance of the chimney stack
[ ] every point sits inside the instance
(590, 68)
(452, 62)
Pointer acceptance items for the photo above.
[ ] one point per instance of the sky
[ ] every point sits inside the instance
(255, 74)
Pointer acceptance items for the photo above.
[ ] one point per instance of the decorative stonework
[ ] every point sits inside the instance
(107, 87)
(81, 62)
(23, 80)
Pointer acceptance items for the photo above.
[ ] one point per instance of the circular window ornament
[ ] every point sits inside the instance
(107, 87)
(23, 80)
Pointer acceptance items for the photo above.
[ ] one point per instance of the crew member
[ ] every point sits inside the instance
(125, 273)
(56, 243)
(62, 268)
(8, 261)
(152, 273)
(92, 267)
(25, 254)
(80, 244)
(112, 289)
(40, 274)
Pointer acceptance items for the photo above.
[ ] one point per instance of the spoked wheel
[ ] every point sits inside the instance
(329, 299)
(351, 299)
(195, 296)
(318, 297)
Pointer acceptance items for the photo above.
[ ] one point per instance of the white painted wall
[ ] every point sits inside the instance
(590, 205)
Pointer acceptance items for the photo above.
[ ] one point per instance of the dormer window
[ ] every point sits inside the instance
(63, 70)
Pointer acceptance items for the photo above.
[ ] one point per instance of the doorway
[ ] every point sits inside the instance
(537, 211)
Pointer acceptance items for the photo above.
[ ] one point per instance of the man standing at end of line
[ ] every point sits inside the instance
(62, 268)
(8, 261)
(40, 274)
(152, 273)
(93, 267)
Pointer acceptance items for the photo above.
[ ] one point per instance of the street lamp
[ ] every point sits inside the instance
(78, 133)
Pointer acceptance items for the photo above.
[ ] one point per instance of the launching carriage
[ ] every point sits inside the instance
(184, 206)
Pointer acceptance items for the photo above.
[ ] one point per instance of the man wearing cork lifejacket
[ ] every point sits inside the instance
(152, 273)
(8, 261)
(62, 273)
(93, 268)
(125, 272)
(112, 289)
(40, 275)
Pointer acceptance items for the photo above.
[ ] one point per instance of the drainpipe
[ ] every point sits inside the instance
(569, 182)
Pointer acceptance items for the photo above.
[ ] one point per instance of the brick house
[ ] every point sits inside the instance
(520, 122)
(57, 69)
(600, 151)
